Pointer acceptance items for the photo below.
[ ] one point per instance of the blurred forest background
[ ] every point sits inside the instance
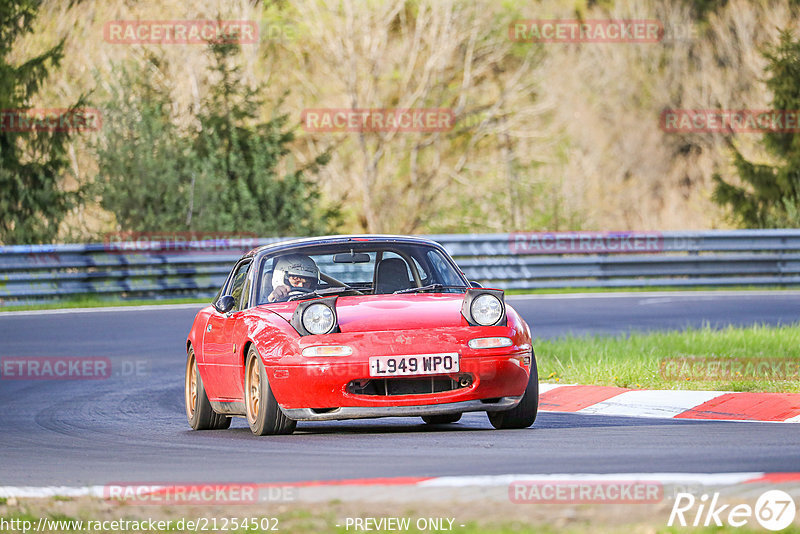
(560, 136)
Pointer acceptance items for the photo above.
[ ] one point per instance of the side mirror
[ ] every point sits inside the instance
(224, 304)
(474, 284)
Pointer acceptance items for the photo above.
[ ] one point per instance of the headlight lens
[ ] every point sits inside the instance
(489, 342)
(318, 319)
(486, 309)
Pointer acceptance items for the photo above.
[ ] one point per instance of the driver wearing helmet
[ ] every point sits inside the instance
(293, 272)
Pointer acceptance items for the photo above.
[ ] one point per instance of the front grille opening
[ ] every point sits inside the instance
(408, 386)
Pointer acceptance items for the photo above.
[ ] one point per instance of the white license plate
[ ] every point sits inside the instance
(418, 364)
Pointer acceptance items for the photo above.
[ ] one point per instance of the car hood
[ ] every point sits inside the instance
(394, 312)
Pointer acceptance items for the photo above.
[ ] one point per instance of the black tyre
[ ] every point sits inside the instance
(441, 419)
(523, 414)
(199, 412)
(264, 415)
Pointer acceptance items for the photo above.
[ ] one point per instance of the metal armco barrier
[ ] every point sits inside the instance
(508, 261)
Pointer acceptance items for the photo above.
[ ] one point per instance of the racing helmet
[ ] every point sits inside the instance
(297, 265)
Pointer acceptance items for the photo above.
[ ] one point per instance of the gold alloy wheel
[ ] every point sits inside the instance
(253, 390)
(191, 385)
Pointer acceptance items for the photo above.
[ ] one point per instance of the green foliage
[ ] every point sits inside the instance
(773, 195)
(32, 202)
(220, 175)
(233, 144)
(144, 163)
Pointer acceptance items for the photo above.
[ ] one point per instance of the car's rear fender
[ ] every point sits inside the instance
(195, 337)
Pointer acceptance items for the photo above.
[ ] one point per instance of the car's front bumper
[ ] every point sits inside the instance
(320, 387)
(364, 412)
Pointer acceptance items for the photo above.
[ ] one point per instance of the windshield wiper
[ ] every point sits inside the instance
(327, 292)
(429, 288)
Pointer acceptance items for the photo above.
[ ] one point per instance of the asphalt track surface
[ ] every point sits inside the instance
(132, 428)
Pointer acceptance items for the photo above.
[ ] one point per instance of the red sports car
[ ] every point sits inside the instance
(351, 327)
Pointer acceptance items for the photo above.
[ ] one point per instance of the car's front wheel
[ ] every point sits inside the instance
(441, 419)
(263, 413)
(523, 414)
(198, 410)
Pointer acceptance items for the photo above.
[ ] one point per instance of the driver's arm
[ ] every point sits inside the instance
(278, 294)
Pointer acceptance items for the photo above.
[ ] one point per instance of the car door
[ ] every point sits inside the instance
(219, 355)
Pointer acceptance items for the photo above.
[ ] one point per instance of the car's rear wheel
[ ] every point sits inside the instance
(441, 419)
(199, 412)
(263, 413)
(523, 414)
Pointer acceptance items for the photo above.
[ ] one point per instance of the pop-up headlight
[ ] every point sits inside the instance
(484, 307)
(315, 317)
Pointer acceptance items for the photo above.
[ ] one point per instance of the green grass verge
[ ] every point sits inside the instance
(757, 358)
(98, 302)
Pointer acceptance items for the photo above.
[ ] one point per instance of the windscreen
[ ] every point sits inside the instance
(369, 267)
